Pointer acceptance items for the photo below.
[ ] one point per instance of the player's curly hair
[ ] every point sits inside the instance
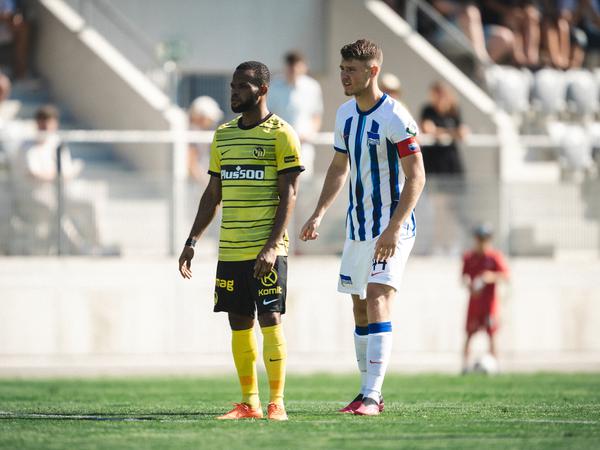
(362, 50)
(261, 77)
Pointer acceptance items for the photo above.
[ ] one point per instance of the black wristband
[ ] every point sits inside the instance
(190, 242)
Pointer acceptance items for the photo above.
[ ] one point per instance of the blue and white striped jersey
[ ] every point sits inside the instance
(374, 141)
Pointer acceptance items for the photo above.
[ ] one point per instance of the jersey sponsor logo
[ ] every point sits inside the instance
(372, 138)
(259, 152)
(225, 284)
(269, 279)
(289, 159)
(243, 172)
(268, 302)
(345, 280)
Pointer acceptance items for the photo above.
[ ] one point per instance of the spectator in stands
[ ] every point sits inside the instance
(39, 157)
(297, 99)
(493, 42)
(441, 120)
(522, 17)
(483, 269)
(466, 15)
(587, 17)
(563, 50)
(204, 114)
(5, 88)
(35, 172)
(14, 29)
(390, 84)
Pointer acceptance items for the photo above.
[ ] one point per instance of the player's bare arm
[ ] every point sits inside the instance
(287, 187)
(209, 203)
(414, 171)
(333, 184)
(493, 277)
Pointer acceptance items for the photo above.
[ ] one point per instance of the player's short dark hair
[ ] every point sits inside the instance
(362, 50)
(294, 57)
(483, 231)
(261, 77)
(47, 112)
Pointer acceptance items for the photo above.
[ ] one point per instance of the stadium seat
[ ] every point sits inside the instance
(575, 149)
(510, 88)
(582, 92)
(549, 92)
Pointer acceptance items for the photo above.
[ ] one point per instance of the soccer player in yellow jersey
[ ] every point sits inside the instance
(254, 168)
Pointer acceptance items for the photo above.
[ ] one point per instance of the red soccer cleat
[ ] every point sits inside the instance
(350, 407)
(369, 407)
(355, 404)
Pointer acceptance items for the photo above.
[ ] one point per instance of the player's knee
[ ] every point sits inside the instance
(269, 319)
(239, 322)
(379, 292)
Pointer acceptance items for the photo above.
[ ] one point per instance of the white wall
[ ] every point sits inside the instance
(77, 315)
(217, 35)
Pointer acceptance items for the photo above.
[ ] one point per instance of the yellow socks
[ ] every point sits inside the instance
(245, 352)
(275, 355)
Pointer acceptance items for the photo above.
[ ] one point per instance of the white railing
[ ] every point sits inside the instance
(175, 191)
(205, 137)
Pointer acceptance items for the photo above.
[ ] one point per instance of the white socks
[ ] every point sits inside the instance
(361, 338)
(379, 350)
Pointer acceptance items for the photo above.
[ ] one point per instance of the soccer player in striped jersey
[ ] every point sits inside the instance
(254, 168)
(375, 143)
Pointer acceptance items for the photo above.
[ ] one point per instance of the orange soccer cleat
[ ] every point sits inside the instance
(276, 412)
(243, 411)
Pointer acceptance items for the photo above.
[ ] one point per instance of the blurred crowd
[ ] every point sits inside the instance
(524, 33)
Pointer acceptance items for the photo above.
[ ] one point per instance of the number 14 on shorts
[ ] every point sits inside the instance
(379, 267)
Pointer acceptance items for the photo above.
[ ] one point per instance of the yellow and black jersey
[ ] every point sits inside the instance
(248, 161)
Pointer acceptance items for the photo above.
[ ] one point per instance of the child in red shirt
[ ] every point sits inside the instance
(483, 268)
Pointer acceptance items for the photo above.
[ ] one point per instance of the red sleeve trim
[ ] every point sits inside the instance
(408, 147)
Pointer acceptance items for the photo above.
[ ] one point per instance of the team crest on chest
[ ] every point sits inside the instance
(372, 138)
(259, 152)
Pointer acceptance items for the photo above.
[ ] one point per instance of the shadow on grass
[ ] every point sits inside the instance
(102, 416)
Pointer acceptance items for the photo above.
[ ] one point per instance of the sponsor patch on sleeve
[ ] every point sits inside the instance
(289, 159)
(408, 147)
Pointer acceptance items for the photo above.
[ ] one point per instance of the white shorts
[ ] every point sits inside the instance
(358, 267)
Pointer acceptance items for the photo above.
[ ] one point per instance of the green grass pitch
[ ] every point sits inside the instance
(541, 411)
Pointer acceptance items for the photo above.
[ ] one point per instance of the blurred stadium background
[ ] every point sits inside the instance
(123, 74)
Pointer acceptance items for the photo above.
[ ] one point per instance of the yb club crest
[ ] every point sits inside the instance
(259, 152)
